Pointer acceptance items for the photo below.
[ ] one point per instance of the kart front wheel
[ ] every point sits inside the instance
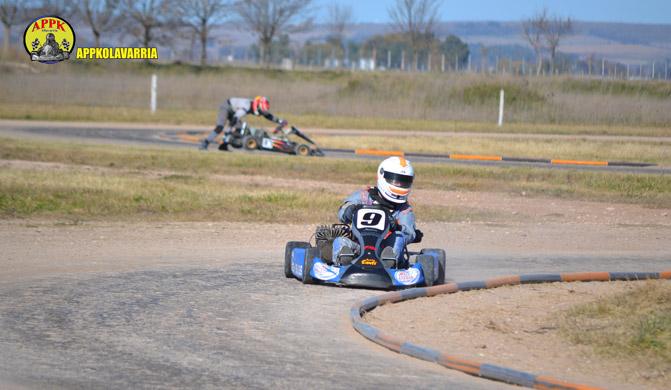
(250, 143)
(303, 150)
(291, 245)
(440, 255)
(307, 265)
(426, 262)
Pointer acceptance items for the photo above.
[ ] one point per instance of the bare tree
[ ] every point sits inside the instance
(534, 30)
(200, 16)
(146, 18)
(100, 15)
(555, 29)
(10, 14)
(268, 17)
(63, 8)
(416, 19)
(339, 17)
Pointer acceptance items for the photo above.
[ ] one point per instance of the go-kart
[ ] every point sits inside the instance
(372, 267)
(252, 139)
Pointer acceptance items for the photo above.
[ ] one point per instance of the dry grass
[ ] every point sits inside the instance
(634, 326)
(651, 190)
(433, 97)
(76, 193)
(69, 112)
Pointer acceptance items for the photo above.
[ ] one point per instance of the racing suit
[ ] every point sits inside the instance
(402, 213)
(232, 112)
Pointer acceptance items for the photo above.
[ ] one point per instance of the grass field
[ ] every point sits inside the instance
(461, 102)
(634, 326)
(188, 186)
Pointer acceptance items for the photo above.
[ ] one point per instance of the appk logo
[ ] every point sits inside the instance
(49, 39)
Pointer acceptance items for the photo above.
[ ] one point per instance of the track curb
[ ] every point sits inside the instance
(474, 367)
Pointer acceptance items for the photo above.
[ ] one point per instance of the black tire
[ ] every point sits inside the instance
(291, 245)
(426, 262)
(307, 265)
(250, 142)
(303, 150)
(440, 254)
(236, 142)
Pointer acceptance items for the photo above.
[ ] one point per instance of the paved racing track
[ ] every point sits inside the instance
(177, 136)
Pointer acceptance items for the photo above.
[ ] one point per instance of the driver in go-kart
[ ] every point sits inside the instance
(233, 111)
(394, 181)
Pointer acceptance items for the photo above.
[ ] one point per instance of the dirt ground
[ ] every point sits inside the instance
(517, 327)
(507, 326)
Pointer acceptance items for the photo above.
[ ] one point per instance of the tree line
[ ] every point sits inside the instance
(411, 45)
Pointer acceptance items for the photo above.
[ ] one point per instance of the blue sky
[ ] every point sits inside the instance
(634, 11)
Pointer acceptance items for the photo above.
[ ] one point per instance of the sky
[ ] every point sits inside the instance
(629, 11)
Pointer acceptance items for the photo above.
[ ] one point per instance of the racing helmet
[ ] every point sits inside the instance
(394, 179)
(260, 105)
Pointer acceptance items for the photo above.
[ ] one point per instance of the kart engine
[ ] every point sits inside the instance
(324, 236)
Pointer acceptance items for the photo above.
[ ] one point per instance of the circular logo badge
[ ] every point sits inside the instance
(49, 39)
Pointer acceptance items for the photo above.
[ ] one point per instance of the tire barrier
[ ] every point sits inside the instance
(473, 367)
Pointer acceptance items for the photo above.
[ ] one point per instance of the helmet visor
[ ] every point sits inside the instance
(397, 180)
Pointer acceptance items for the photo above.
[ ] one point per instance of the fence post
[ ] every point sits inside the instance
(653, 70)
(469, 62)
(627, 71)
(603, 67)
(501, 100)
(152, 103)
(442, 63)
(428, 63)
(388, 59)
(402, 60)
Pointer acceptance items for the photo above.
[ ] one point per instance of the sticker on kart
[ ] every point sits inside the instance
(324, 272)
(267, 143)
(296, 269)
(407, 276)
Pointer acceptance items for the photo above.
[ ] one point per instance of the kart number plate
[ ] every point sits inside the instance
(266, 143)
(370, 219)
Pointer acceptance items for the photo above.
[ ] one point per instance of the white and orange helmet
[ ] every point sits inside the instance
(260, 104)
(394, 179)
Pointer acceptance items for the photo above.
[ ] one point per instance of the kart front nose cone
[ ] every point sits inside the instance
(369, 280)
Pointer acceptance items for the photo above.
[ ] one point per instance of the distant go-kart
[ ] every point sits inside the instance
(252, 139)
(373, 267)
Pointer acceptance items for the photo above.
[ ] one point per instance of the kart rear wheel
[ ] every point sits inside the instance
(303, 150)
(440, 255)
(236, 142)
(291, 245)
(250, 142)
(307, 265)
(426, 262)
